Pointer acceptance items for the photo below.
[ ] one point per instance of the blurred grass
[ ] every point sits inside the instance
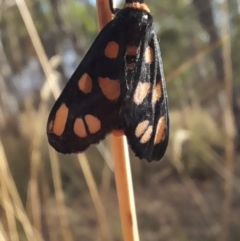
(192, 161)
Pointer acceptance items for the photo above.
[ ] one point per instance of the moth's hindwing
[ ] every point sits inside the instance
(88, 107)
(145, 113)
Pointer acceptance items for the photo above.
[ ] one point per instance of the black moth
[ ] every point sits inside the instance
(119, 85)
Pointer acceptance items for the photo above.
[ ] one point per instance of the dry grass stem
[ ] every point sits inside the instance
(101, 215)
(122, 167)
(44, 62)
(61, 207)
(20, 213)
(228, 121)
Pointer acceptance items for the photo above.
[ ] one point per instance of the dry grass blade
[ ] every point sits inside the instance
(228, 121)
(33, 187)
(107, 169)
(42, 57)
(3, 235)
(101, 215)
(37, 44)
(106, 179)
(33, 201)
(30, 232)
(9, 210)
(61, 208)
(6, 201)
(106, 155)
(49, 224)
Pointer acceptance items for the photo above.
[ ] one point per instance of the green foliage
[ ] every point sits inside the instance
(82, 16)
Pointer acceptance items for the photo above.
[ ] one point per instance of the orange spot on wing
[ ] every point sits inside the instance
(110, 88)
(148, 55)
(93, 123)
(132, 50)
(137, 5)
(141, 92)
(60, 120)
(111, 50)
(147, 135)
(79, 128)
(118, 133)
(85, 84)
(157, 93)
(141, 127)
(159, 136)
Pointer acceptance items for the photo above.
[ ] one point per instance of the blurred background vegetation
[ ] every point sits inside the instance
(192, 195)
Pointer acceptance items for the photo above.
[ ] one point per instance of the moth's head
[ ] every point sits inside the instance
(138, 17)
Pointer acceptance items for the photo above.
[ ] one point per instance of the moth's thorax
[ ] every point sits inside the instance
(138, 23)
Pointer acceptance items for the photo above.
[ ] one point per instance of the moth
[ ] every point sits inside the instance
(119, 85)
